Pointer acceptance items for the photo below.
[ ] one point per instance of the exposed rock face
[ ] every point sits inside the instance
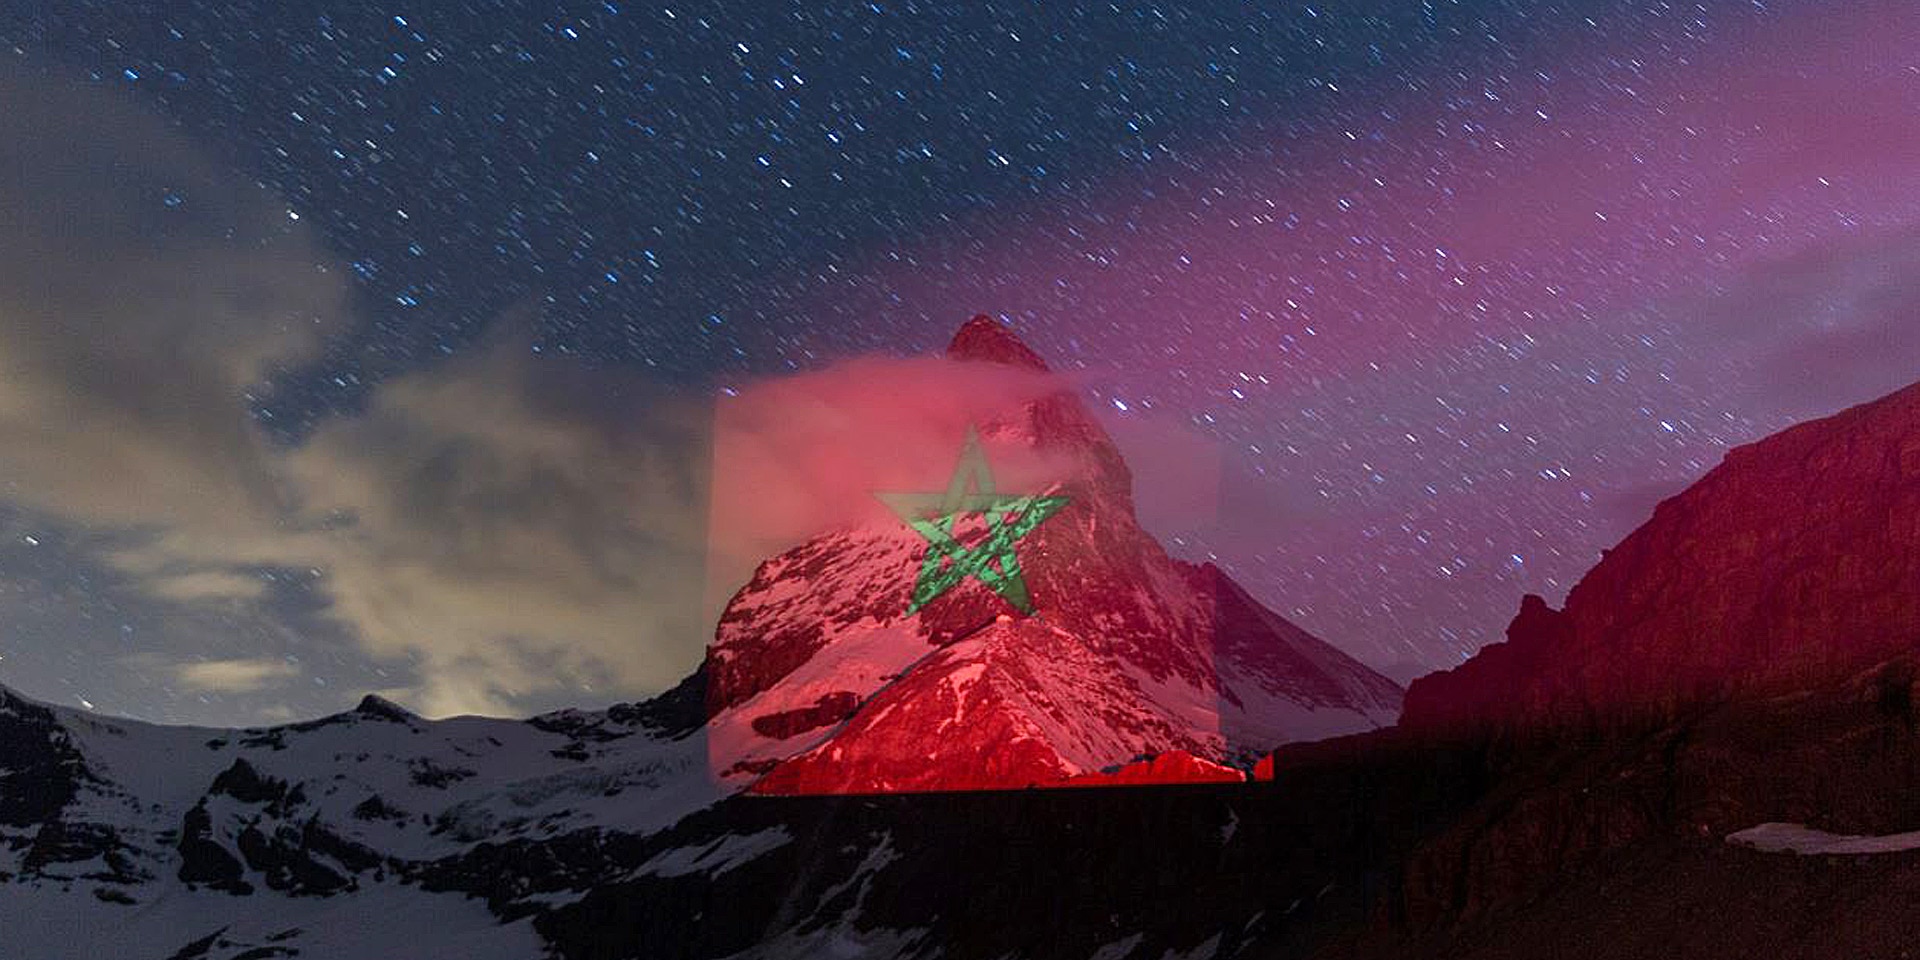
(821, 681)
(1746, 656)
(1796, 559)
(1842, 756)
(1200, 870)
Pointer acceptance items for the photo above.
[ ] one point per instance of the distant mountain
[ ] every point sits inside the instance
(821, 681)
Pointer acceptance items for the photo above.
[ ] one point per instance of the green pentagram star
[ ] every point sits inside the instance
(992, 561)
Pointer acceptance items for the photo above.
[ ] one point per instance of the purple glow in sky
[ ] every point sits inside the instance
(1461, 340)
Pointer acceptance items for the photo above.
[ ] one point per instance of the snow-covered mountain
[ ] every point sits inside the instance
(375, 834)
(327, 838)
(823, 682)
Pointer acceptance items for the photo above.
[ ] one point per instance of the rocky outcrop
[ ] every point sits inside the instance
(244, 783)
(1527, 813)
(1746, 656)
(43, 770)
(1194, 870)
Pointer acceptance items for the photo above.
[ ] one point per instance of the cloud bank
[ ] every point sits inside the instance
(497, 527)
(233, 675)
(501, 532)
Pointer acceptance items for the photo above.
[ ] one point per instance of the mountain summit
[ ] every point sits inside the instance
(986, 339)
(821, 680)
(989, 340)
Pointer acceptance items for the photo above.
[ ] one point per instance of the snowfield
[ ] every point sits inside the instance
(1802, 839)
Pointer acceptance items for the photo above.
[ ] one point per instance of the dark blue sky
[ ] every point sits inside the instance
(667, 182)
(1457, 288)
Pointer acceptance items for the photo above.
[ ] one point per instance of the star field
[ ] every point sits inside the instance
(1457, 289)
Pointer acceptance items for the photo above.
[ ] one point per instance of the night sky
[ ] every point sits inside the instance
(357, 346)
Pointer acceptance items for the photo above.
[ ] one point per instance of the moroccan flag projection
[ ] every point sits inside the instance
(950, 590)
(989, 558)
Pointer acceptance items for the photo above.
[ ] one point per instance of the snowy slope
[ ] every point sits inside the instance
(338, 837)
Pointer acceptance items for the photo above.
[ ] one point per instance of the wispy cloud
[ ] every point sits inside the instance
(233, 676)
(498, 526)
